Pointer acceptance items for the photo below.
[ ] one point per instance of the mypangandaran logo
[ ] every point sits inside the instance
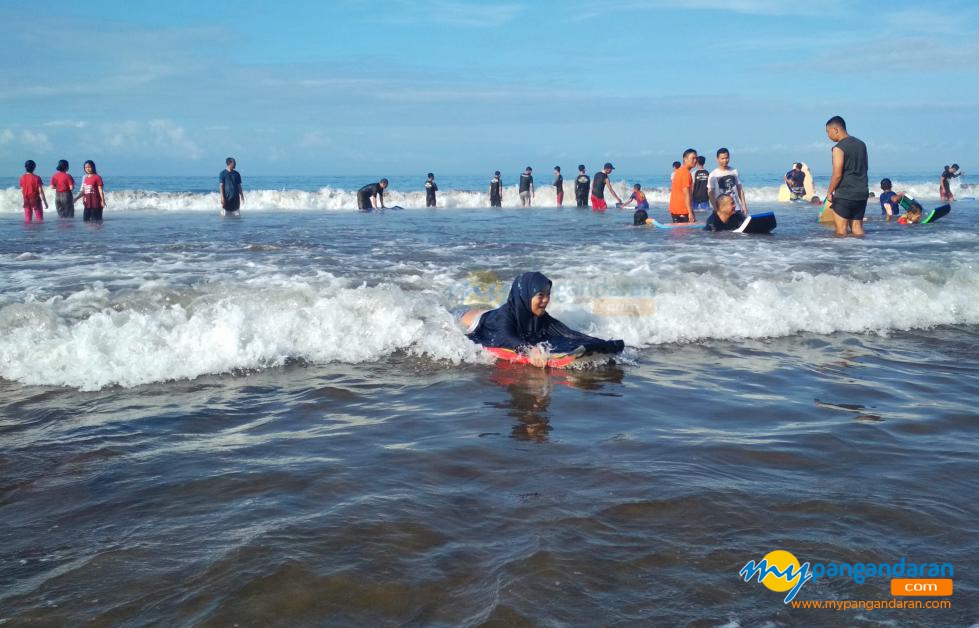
(781, 571)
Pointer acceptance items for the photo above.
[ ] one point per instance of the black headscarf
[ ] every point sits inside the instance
(514, 326)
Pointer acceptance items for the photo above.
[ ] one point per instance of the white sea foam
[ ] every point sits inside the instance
(94, 337)
(337, 199)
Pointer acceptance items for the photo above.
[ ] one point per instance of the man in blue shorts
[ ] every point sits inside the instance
(848, 189)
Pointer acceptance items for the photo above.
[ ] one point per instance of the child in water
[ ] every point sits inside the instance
(641, 215)
(912, 216)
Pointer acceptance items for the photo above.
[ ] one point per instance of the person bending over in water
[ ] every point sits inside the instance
(522, 324)
(371, 196)
(725, 217)
(641, 215)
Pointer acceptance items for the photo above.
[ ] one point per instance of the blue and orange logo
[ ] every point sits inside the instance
(780, 571)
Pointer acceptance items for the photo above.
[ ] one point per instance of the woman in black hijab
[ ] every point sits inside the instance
(522, 324)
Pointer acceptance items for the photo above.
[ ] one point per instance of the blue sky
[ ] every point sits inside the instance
(344, 87)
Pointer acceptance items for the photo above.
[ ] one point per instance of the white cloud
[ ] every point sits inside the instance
(169, 134)
(25, 139)
(453, 13)
(66, 124)
(160, 135)
(315, 139)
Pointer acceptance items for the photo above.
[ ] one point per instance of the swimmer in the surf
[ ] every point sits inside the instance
(945, 182)
(725, 217)
(496, 190)
(430, 189)
(582, 184)
(890, 201)
(599, 182)
(641, 215)
(912, 216)
(522, 324)
(371, 196)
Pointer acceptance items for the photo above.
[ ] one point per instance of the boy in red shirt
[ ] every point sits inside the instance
(681, 191)
(33, 190)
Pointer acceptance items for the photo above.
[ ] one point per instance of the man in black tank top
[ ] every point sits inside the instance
(496, 190)
(848, 188)
(582, 184)
(599, 182)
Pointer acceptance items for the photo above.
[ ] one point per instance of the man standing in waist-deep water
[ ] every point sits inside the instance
(945, 182)
(371, 196)
(582, 183)
(848, 188)
(526, 187)
(558, 186)
(232, 194)
(496, 190)
(681, 189)
(598, 184)
(430, 190)
(701, 200)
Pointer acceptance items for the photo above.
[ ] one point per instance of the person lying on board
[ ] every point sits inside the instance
(522, 324)
(912, 216)
(724, 218)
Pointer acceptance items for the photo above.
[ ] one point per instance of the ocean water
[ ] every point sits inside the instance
(197, 193)
(273, 420)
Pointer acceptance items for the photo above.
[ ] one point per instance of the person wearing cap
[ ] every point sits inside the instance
(581, 185)
(526, 187)
(598, 184)
(496, 190)
(371, 196)
(558, 186)
(430, 190)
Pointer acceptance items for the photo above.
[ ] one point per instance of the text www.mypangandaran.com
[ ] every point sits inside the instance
(870, 605)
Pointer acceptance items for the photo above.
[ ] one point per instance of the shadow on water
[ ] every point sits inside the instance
(530, 391)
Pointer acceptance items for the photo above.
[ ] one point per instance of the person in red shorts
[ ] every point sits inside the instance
(32, 187)
(92, 193)
(64, 186)
(681, 191)
(598, 184)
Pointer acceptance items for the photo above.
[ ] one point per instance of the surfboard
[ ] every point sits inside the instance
(556, 361)
(675, 225)
(758, 223)
(807, 182)
(784, 195)
(826, 213)
(936, 214)
(395, 207)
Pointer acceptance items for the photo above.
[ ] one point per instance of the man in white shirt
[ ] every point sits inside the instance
(725, 180)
